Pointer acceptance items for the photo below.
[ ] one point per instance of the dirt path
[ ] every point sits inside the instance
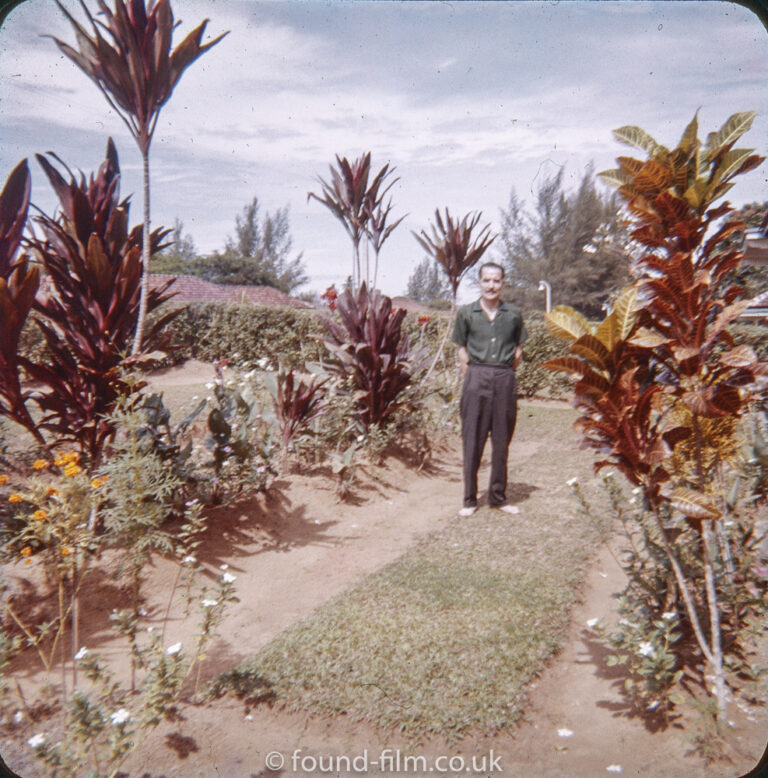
(299, 547)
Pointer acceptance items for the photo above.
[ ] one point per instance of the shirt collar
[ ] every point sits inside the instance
(503, 305)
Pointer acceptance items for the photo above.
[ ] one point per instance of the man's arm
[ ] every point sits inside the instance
(463, 359)
(518, 356)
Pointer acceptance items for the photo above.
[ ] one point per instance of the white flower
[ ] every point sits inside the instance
(228, 578)
(190, 503)
(563, 732)
(142, 611)
(592, 623)
(572, 481)
(210, 385)
(36, 740)
(120, 716)
(174, 649)
(18, 717)
(261, 469)
(262, 363)
(613, 768)
(636, 490)
(360, 438)
(653, 705)
(82, 653)
(646, 649)
(235, 355)
(194, 397)
(632, 500)
(209, 603)
(150, 629)
(189, 559)
(224, 567)
(669, 615)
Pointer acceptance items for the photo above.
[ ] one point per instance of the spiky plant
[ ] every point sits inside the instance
(454, 248)
(19, 281)
(360, 208)
(89, 307)
(372, 353)
(128, 56)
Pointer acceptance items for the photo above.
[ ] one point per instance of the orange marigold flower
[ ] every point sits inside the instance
(65, 551)
(40, 464)
(26, 551)
(3, 479)
(15, 498)
(40, 514)
(51, 491)
(97, 483)
(72, 469)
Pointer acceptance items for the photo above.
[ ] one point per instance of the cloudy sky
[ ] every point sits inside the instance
(468, 100)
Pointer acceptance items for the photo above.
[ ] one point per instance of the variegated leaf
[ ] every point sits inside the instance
(565, 322)
(694, 504)
(741, 356)
(616, 177)
(635, 136)
(608, 331)
(734, 127)
(625, 312)
(647, 338)
(690, 135)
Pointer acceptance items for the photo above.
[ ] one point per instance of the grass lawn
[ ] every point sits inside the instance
(444, 640)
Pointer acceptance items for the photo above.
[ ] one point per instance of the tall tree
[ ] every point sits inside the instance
(258, 254)
(428, 283)
(576, 241)
(128, 56)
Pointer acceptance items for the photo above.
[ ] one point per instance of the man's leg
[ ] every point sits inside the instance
(502, 429)
(476, 415)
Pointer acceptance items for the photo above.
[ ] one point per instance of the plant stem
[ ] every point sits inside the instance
(714, 618)
(145, 254)
(690, 607)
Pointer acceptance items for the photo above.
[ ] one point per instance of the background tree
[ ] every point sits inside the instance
(179, 257)
(576, 241)
(428, 283)
(259, 254)
(128, 56)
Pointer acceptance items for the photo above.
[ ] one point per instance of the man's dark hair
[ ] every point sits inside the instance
(490, 264)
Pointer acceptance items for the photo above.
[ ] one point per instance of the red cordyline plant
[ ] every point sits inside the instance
(372, 352)
(295, 403)
(660, 384)
(88, 306)
(128, 56)
(360, 208)
(455, 249)
(19, 281)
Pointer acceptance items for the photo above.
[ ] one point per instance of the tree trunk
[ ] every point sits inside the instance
(145, 260)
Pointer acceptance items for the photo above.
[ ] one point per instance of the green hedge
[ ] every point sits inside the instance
(210, 331)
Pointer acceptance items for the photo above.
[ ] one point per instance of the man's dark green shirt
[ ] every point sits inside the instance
(489, 342)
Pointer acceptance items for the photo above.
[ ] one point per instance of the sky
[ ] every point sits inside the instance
(469, 101)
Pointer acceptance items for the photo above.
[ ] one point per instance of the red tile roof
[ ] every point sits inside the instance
(190, 289)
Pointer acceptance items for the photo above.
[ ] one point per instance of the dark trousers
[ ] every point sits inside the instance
(488, 405)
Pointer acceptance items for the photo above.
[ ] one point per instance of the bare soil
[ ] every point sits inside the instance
(295, 548)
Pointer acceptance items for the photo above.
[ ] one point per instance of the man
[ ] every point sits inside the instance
(489, 334)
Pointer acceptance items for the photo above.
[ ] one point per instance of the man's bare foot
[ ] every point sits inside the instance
(507, 508)
(468, 511)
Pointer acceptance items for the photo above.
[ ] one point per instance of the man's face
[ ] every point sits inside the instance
(491, 281)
